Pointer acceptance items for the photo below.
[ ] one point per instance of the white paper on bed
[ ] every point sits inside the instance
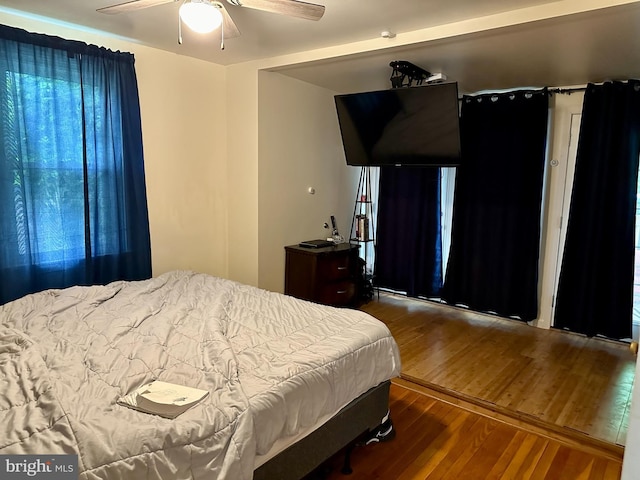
(162, 398)
(67, 355)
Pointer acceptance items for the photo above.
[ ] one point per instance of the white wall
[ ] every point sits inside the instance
(283, 137)
(183, 109)
(183, 114)
(242, 178)
(299, 147)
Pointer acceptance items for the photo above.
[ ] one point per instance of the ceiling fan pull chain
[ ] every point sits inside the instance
(222, 35)
(180, 26)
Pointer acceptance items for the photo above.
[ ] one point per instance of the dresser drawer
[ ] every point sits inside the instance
(338, 293)
(335, 267)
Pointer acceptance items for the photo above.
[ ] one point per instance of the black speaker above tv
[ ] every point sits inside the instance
(401, 126)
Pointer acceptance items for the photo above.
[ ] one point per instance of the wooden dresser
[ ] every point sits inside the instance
(328, 275)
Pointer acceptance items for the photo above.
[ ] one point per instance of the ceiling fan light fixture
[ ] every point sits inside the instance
(200, 16)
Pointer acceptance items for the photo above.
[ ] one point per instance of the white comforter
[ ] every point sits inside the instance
(273, 365)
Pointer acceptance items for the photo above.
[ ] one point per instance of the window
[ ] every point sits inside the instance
(72, 191)
(47, 181)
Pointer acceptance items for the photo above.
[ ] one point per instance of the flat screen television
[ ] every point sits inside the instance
(401, 126)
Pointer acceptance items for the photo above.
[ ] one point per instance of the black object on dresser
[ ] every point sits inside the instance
(328, 275)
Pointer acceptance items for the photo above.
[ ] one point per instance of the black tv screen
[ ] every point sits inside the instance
(402, 126)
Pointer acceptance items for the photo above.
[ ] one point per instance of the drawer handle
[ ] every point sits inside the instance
(342, 268)
(341, 291)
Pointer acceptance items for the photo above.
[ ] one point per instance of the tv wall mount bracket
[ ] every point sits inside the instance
(406, 74)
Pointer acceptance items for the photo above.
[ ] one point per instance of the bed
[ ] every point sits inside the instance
(290, 382)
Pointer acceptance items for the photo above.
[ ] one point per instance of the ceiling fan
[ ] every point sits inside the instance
(292, 8)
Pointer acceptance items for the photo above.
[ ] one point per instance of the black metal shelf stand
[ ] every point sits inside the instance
(363, 227)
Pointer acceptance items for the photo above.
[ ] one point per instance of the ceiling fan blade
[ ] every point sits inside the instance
(132, 5)
(292, 8)
(228, 25)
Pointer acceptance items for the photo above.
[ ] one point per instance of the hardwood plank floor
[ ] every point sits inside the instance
(566, 383)
(438, 440)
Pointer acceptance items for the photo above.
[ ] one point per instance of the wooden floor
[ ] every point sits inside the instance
(565, 383)
(437, 440)
(481, 397)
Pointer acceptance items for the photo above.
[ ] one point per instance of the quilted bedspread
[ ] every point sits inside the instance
(273, 365)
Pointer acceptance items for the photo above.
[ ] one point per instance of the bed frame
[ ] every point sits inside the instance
(362, 415)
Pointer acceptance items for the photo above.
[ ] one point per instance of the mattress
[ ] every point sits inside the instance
(275, 367)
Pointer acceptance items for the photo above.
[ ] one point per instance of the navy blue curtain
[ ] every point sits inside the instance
(595, 290)
(73, 206)
(493, 262)
(409, 243)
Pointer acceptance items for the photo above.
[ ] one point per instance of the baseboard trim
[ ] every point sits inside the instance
(529, 423)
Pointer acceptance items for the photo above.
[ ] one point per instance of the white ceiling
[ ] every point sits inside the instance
(565, 49)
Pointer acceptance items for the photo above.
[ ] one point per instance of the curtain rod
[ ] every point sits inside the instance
(561, 91)
(567, 91)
